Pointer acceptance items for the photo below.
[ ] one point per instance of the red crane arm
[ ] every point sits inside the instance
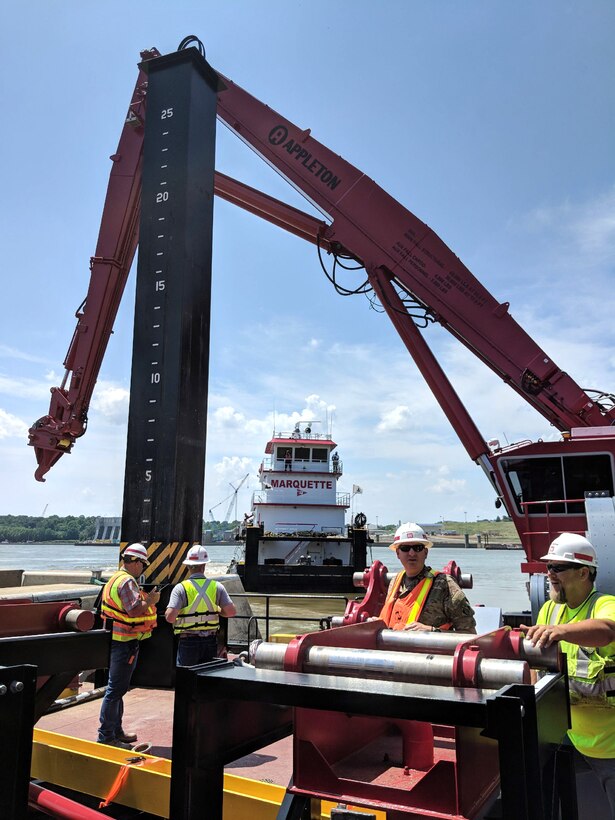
(273, 210)
(392, 241)
(54, 434)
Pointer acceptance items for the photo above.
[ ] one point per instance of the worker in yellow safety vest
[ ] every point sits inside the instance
(132, 616)
(194, 609)
(582, 621)
(420, 598)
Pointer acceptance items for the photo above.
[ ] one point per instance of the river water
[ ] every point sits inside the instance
(498, 580)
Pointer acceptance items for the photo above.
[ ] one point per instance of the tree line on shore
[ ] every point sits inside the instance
(19, 529)
(23, 529)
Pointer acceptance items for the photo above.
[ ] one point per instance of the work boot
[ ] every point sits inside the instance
(126, 737)
(119, 743)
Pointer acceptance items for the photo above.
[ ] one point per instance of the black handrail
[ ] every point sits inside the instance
(270, 597)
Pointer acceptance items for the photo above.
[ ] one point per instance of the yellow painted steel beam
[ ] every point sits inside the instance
(326, 806)
(91, 768)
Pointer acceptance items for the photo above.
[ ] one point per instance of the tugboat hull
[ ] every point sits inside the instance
(271, 576)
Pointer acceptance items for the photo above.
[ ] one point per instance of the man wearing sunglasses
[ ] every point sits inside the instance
(582, 620)
(420, 598)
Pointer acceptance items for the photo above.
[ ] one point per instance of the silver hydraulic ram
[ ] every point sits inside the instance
(407, 667)
(445, 643)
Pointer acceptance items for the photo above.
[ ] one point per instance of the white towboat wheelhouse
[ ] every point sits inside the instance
(297, 538)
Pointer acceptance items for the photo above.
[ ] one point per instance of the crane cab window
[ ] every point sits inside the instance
(557, 479)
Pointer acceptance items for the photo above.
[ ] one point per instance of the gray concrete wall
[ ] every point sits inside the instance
(10, 577)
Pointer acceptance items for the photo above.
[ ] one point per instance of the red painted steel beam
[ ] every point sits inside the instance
(56, 805)
(272, 210)
(429, 367)
(19, 618)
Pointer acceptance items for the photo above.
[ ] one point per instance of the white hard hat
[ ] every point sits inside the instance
(196, 555)
(136, 551)
(572, 547)
(409, 533)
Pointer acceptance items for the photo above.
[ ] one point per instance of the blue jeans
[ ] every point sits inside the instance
(194, 649)
(122, 663)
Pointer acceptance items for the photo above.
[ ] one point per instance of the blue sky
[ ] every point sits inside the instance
(491, 121)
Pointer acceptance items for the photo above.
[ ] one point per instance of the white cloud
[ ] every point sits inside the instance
(447, 486)
(12, 427)
(583, 231)
(25, 388)
(111, 402)
(399, 418)
(8, 352)
(227, 417)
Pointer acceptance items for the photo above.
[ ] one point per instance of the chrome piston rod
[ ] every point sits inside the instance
(445, 643)
(406, 667)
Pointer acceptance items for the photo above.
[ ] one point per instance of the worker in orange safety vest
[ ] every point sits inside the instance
(133, 617)
(420, 598)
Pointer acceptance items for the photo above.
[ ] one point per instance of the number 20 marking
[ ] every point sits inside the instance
(162, 196)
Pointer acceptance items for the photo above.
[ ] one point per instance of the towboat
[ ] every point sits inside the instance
(295, 538)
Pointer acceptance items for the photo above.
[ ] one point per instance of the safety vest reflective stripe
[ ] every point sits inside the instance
(398, 612)
(125, 627)
(201, 611)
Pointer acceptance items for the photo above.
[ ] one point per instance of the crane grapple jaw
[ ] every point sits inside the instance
(49, 444)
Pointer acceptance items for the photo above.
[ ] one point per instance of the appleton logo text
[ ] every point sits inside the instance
(279, 136)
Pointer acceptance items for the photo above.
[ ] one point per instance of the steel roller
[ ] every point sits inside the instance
(406, 667)
(445, 643)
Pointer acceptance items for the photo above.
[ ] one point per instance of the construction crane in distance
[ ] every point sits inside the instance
(234, 498)
(211, 509)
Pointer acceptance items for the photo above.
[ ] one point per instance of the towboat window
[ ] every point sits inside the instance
(302, 453)
(281, 452)
(319, 454)
(557, 478)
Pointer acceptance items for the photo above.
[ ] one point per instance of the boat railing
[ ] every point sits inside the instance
(302, 465)
(272, 600)
(261, 497)
(293, 435)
